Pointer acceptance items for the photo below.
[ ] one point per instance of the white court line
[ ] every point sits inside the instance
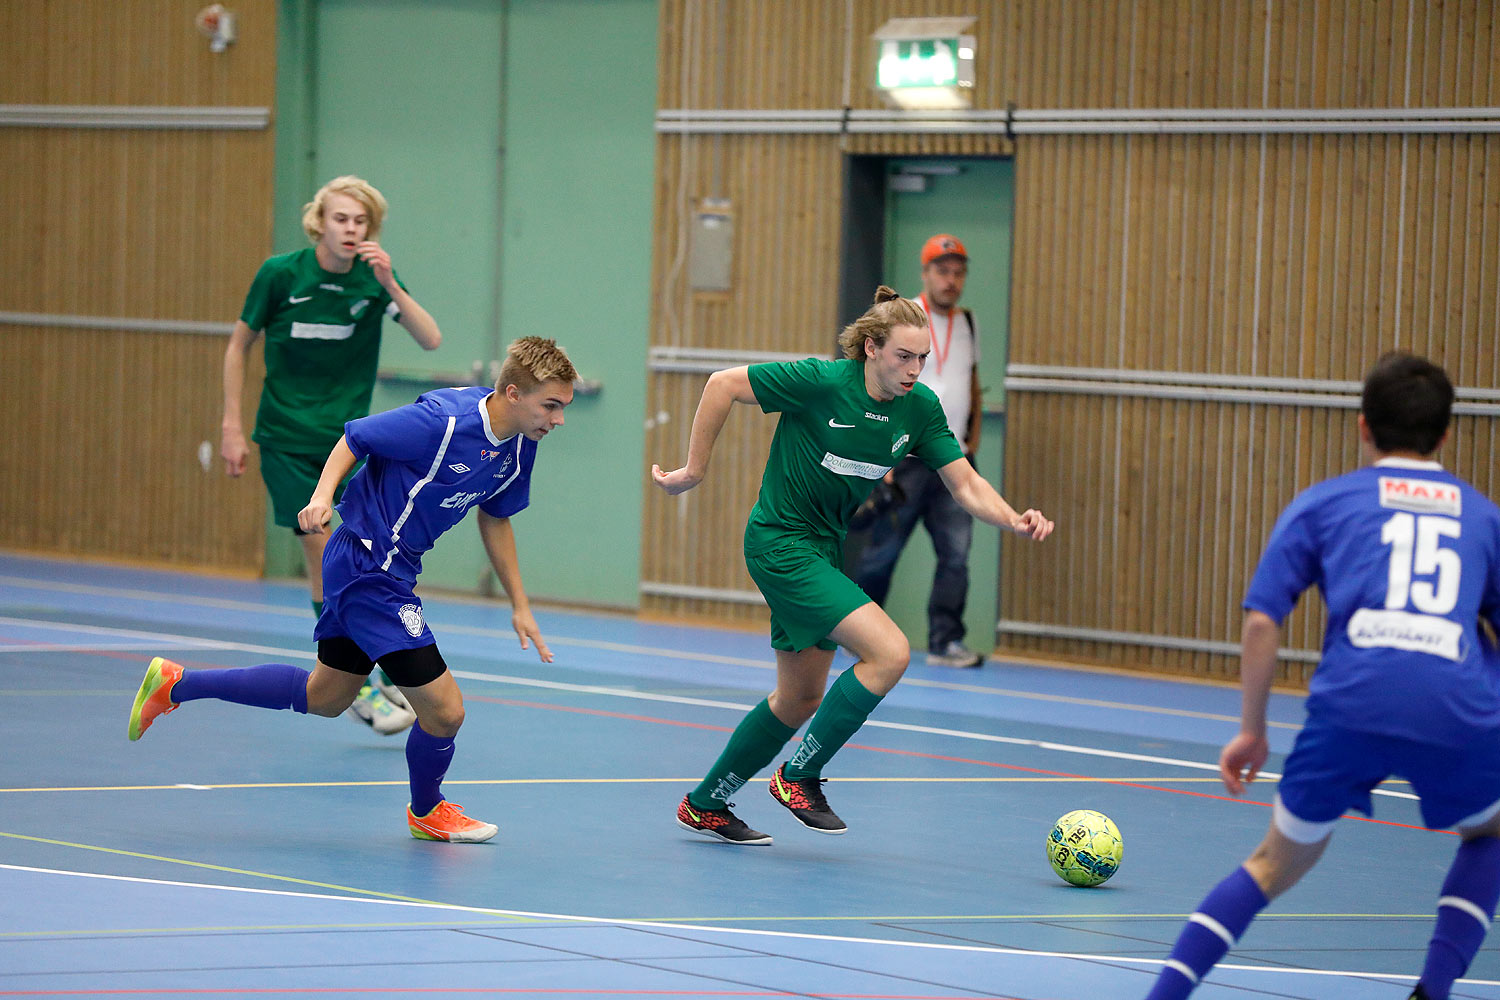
(99, 647)
(708, 703)
(621, 647)
(751, 931)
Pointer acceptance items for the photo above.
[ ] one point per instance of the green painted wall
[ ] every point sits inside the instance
(976, 205)
(514, 141)
(575, 264)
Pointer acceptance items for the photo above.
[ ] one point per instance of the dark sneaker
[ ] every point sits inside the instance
(805, 800)
(955, 654)
(1418, 993)
(721, 824)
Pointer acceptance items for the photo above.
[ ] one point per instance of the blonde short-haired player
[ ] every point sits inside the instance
(426, 464)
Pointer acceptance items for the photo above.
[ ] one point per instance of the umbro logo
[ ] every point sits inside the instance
(834, 423)
(459, 468)
(297, 299)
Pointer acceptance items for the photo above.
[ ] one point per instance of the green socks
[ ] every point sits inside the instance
(845, 708)
(755, 743)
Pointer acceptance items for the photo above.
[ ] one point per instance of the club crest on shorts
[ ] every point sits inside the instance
(411, 618)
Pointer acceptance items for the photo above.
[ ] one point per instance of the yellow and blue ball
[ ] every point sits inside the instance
(1085, 848)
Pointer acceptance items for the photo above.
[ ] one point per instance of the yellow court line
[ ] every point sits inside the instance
(977, 780)
(73, 932)
(370, 893)
(666, 921)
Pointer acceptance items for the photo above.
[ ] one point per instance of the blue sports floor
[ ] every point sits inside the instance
(235, 852)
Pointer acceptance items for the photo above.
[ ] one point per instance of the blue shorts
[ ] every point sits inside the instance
(364, 603)
(1332, 770)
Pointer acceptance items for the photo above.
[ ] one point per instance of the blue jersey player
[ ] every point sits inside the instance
(1407, 557)
(426, 464)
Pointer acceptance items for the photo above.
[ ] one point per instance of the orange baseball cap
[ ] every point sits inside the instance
(942, 245)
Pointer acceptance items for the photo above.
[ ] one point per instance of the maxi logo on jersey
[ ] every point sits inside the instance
(1421, 496)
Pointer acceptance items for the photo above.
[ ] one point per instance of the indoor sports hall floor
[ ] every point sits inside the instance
(236, 852)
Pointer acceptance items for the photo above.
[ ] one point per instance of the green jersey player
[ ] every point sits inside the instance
(843, 425)
(321, 310)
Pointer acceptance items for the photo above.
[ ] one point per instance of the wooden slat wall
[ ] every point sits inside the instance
(1280, 255)
(101, 458)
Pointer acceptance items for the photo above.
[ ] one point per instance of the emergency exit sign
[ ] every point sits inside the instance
(925, 62)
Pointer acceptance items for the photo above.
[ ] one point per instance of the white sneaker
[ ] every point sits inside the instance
(376, 711)
(955, 654)
(391, 691)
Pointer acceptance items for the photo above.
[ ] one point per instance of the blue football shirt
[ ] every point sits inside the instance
(1407, 557)
(425, 465)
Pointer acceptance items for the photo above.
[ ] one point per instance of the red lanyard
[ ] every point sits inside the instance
(939, 354)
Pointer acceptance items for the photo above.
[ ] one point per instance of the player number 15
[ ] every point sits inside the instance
(1416, 550)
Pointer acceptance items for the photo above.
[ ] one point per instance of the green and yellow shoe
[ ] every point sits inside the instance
(154, 699)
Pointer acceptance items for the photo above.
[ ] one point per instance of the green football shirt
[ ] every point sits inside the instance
(833, 443)
(322, 334)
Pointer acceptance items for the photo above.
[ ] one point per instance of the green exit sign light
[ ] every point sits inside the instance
(925, 63)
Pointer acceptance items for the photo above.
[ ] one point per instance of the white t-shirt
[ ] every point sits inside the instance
(950, 366)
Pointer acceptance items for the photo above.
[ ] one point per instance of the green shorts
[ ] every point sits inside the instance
(290, 479)
(807, 591)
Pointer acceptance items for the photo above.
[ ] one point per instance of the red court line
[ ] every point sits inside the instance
(856, 746)
(934, 756)
(491, 991)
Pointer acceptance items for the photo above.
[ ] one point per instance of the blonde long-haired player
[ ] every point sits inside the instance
(843, 425)
(321, 310)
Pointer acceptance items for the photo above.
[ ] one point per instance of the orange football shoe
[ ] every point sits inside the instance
(154, 699)
(448, 822)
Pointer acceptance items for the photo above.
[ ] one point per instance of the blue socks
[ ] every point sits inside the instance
(270, 685)
(1221, 918)
(1464, 913)
(427, 760)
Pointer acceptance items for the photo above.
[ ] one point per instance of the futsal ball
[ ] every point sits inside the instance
(1085, 848)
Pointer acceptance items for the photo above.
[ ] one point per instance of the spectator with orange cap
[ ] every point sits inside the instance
(952, 372)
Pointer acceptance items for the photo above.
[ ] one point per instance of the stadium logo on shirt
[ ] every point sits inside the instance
(459, 468)
(1422, 496)
(877, 416)
(411, 619)
(358, 307)
(331, 288)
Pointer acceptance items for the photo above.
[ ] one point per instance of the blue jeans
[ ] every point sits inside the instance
(951, 528)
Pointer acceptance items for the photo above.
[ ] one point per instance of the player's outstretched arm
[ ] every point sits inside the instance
(319, 510)
(1244, 756)
(724, 389)
(500, 545)
(232, 444)
(414, 319)
(975, 495)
